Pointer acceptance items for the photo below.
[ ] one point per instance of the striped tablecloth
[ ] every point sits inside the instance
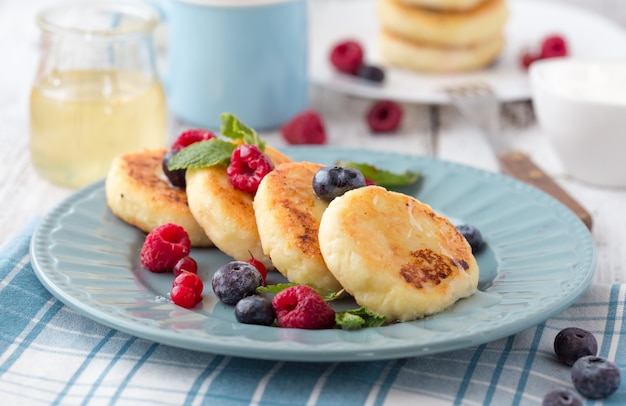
(52, 355)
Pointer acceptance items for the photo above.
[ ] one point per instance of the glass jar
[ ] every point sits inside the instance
(96, 93)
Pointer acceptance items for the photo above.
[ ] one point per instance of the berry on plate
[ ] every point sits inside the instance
(248, 165)
(164, 247)
(259, 267)
(255, 309)
(347, 56)
(187, 290)
(185, 264)
(371, 73)
(472, 235)
(176, 177)
(333, 181)
(384, 116)
(553, 46)
(235, 280)
(302, 307)
(304, 128)
(188, 137)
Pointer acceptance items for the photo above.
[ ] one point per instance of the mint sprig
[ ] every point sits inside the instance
(359, 318)
(235, 129)
(383, 177)
(203, 154)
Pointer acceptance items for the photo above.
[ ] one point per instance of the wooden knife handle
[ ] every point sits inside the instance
(520, 166)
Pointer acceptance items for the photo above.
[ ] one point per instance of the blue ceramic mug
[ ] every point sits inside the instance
(246, 57)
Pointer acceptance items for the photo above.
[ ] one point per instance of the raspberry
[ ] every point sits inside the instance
(186, 138)
(248, 166)
(553, 46)
(302, 307)
(187, 290)
(185, 264)
(164, 246)
(347, 56)
(305, 128)
(384, 116)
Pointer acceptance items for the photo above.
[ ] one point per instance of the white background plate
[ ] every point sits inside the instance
(590, 36)
(539, 258)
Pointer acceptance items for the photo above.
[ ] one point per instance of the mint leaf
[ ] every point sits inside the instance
(359, 318)
(383, 177)
(234, 129)
(275, 288)
(202, 155)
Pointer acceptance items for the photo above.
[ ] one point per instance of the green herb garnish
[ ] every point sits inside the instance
(383, 177)
(216, 151)
(359, 318)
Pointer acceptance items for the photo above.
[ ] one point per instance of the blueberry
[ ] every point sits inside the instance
(472, 235)
(177, 176)
(595, 377)
(371, 73)
(572, 343)
(235, 280)
(255, 310)
(562, 397)
(333, 181)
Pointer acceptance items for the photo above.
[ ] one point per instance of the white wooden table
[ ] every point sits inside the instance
(425, 130)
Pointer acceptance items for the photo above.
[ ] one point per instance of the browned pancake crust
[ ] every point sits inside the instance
(138, 192)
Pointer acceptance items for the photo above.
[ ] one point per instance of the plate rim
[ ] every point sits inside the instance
(321, 353)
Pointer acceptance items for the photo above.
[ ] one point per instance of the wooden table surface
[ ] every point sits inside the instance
(426, 130)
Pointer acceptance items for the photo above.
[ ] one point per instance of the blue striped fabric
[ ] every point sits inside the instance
(52, 355)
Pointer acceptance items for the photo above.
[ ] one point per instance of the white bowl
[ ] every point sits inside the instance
(581, 108)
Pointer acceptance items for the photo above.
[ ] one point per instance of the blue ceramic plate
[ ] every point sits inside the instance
(539, 258)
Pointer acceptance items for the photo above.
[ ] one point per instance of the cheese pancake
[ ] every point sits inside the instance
(138, 192)
(395, 255)
(288, 214)
(225, 213)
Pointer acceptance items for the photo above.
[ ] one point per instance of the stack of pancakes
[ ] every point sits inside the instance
(389, 251)
(441, 36)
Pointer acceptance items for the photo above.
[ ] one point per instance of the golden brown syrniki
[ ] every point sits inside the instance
(288, 215)
(225, 213)
(394, 254)
(138, 192)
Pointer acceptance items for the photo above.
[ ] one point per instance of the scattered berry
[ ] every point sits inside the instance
(472, 235)
(347, 56)
(572, 343)
(259, 267)
(248, 165)
(187, 290)
(185, 264)
(384, 116)
(562, 397)
(371, 73)
(553, 47)
(255, 310)
(305, 128)
(188, 137)
(302, 307)
(527, 59)
(235, 280)
(175, 177)
(333, 181)
(595, 377)
(164, 246)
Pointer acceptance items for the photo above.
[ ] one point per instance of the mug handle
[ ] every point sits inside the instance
(160, 39)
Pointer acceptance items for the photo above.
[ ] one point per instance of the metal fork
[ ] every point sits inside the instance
(479, 105)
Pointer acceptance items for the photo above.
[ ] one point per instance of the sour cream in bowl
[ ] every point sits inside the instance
(581, 108)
